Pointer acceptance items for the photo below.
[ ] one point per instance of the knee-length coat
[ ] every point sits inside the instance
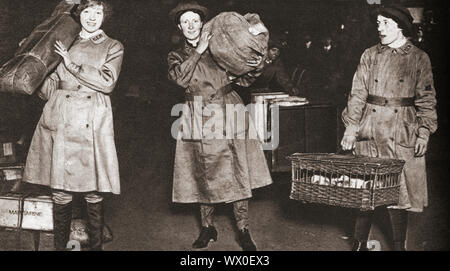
(391, 132)
(73, 145)
(213, 170)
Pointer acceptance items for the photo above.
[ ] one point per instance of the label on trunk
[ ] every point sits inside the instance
(7, 149)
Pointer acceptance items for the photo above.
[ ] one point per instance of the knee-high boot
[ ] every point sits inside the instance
(362, 229)
(95, 225)
(62, 217)
(399, 224)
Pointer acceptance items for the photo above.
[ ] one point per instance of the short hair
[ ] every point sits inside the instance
(199, 12)
(406, 30)
(107, 8)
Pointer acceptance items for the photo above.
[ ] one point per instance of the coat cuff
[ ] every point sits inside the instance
(73, 68)
(196, 56)
(423, 133)
(351, 130)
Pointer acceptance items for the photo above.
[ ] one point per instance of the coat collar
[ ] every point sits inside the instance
(188, 47)
(404, 49)
(97, 37)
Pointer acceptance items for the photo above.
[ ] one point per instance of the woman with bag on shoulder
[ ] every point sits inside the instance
(73, 149)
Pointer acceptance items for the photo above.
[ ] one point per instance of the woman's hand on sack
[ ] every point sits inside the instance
(421, 147)
(203, 43)
(348, 142)
(62, 51)
(255, 62)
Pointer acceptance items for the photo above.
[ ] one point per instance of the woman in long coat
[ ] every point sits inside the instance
(391, 114)
(210, 171)
(73, 146)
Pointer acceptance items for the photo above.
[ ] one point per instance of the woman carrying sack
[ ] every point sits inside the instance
(73, 148)
(214, 170)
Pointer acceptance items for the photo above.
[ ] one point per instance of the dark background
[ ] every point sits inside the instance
(148, 35)
(143, 98)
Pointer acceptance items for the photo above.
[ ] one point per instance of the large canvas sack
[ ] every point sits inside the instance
(36, 58)
(232, 44)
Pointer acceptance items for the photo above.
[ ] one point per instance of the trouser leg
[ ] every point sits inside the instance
(208, 232)
(206, 214)
(362, 226)
(240, 210)
(94, 204)
(362, 229)
(62, 217)
(399, 224)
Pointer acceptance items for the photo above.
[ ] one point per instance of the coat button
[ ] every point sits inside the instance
(87, 125)
(376, 80)
(401, 80)
(374, 110)
(79, 86)
(67, 96)
(396, 110)
(88, 97)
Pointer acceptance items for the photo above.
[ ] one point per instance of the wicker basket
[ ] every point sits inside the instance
(345, 180)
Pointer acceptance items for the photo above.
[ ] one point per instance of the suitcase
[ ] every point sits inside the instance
(22, 210)
(29, 213)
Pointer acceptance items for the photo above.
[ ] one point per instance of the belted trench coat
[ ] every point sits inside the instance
(213, 170)
(73, 145)
(392, 131)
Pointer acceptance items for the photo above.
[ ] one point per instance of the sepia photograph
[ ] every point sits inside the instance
(224, 125)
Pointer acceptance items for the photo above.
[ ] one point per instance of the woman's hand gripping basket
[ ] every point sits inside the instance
(345, 180)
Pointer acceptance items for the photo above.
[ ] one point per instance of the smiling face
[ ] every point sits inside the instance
(191, 25)
(91, 18)
(388, 30)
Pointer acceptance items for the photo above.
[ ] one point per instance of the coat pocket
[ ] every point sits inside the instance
(407, 134)
(365, 126)
(51, 114)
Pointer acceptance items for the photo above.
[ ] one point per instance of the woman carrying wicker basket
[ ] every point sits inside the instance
(391, 114)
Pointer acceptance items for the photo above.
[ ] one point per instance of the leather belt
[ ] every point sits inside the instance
(383, 101)
(220, 93)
